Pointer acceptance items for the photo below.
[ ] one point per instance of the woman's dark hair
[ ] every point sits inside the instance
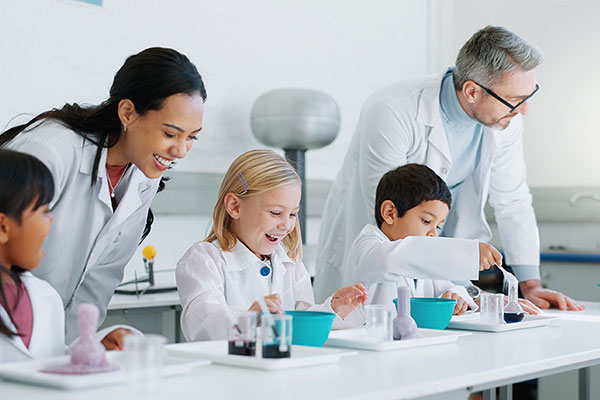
(147, 79)
(24, 181)
(407, 187)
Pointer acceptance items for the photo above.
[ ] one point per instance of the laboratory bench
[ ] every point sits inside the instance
(158, 313)
(478, 362)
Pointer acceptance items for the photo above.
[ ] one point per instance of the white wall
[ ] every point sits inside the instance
(64, 51)
(562, 134)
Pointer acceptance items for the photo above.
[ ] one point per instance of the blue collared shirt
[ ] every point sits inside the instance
(464, 136)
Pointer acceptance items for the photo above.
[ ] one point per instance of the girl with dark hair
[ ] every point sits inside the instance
(31, 312)
(26, 188)
(107, 161)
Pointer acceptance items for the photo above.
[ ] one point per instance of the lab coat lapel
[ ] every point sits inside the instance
(39, 306)
(428, 113)
(88, 154)
(279, 259)
(131, 199)
(15, 341)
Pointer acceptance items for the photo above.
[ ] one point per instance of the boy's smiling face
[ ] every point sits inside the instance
(425, 219)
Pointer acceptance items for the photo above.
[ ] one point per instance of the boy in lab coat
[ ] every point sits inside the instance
(403, 249)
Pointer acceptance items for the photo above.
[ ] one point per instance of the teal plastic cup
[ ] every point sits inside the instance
(311, 328)
(431, 312)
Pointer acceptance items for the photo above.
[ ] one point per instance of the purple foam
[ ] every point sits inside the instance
(405, 326)
(88, 355)
(79, 369)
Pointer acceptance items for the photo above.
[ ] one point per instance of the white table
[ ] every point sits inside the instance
(477, 362)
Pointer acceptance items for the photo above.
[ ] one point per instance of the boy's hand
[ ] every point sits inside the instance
(488, 256)
(346, 299)
(273, 302)
(114, 339)
(461, 305)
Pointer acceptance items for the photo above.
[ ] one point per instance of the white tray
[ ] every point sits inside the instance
(472, 322)
(357, 339)
(217, 352)
(29, 371)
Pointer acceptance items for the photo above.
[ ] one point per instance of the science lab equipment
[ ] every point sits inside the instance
(404, 325)
(241, 333)
(88, 355)
(513, 312)
(296, 120)
(379, 322)
(144, 360)
(277, 338)
(310, 328)
(492, 307)
(145, 284)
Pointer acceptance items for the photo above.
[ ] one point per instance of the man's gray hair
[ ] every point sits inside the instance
(491, 52)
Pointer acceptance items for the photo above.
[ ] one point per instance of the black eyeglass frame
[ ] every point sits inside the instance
(506, 103)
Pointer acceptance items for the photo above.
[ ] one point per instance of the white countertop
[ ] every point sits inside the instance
(128, 301)
(478, 361)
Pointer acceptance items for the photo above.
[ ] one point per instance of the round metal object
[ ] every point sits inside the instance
(295, 119)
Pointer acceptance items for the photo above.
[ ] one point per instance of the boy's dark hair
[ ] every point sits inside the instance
(407, 187)
(24, 181)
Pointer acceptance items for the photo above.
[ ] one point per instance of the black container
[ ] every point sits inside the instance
(242, 348)
(272, 351)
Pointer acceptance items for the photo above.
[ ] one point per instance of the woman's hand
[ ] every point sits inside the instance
(461, 305)
(488, 256)
(114, 339)
(346, 299)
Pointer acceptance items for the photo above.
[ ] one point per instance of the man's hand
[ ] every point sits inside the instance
(114, 339)
(546, 298)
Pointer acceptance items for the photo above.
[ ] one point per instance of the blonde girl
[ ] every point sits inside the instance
(254, 248)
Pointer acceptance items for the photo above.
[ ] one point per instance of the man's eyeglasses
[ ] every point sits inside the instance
(506, 103)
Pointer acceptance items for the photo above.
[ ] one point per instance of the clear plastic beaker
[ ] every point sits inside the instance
(277, 338)
(379, 322)
(492, 307)
(241, 333)
(143, 360)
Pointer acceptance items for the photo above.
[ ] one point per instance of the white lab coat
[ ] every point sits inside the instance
(48, 334)
(384, 265)
(210, 279)
(89, 245)
(401, 124)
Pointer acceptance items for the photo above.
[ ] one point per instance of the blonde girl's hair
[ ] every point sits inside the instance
(252, 173)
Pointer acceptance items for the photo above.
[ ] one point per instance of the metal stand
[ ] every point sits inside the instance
(584, 383)
(297, 159)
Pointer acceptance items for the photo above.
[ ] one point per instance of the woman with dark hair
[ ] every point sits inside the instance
(107, 161)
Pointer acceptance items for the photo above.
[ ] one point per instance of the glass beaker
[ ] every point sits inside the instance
(513, 312)
(241, 333)
(143, 359)
(277, 338)
(492, 306)
(379, 322)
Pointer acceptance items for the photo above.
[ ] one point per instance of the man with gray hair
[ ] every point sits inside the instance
(466, 125)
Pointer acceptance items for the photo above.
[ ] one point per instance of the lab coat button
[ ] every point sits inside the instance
(444, 170)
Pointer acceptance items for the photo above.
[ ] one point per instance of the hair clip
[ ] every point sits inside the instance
(244, 183)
